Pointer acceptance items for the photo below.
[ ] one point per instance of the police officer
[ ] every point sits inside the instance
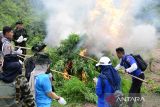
(20, 36)
(131, 67)
(7, 47)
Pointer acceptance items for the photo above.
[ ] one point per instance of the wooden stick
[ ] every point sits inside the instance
(26, 55)
(126, 73)
(88, 58)
(61, 73)
(23, 47)
(137, 78)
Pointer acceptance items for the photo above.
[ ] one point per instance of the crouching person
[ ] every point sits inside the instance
(40, 83)
(14, 89)
(107, 83)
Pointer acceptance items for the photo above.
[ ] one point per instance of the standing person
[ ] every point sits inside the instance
(7, 47)
(15, 91)
(30, 62)
(40, 83)
(107, 83)
(1, 36)
(20, 36)
(129, 63)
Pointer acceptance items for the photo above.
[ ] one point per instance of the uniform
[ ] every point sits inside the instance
(7, 47)
(127, 61)
(17, 34)
(23, 93)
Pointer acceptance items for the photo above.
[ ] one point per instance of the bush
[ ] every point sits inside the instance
(75, 90)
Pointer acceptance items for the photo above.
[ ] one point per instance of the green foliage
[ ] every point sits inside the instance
(75, 90)
(125, 84)
(157, 90)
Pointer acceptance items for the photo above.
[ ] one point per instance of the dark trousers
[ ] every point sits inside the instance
(135, 89)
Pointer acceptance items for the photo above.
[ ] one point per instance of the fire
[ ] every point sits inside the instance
(83, 52)
(112, 15)
(84, 77)
(66, 75)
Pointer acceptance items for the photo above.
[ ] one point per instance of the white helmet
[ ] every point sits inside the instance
(104, 61)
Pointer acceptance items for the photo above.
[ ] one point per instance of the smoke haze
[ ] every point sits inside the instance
(107, 23)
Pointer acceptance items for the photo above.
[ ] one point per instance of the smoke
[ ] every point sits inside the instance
(107, 23)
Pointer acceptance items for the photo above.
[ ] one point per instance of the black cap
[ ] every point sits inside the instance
(38, 47)
(19, 22)
(42, 58)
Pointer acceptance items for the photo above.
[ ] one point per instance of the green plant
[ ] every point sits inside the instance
(75, 90)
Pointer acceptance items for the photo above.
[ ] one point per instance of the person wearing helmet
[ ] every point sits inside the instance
(30, 62)
(107, 82)
(40, 83)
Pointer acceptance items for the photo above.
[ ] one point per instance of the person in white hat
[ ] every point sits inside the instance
(107, 82)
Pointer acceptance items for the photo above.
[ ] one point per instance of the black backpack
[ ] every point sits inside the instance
(140, 62)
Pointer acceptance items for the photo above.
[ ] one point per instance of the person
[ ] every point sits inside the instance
(29, 63)
(20, 36)
(129, 63)
(1, 36)
(107, 83)
(7, 47)
(15, 91)
(40, 83)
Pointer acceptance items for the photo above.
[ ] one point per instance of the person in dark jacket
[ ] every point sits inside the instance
(129, 63)
(20, 36)
(107, 83)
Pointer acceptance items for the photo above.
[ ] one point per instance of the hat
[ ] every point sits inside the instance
(19, 22)
(38, 47)
(104, 61)
(42, 58)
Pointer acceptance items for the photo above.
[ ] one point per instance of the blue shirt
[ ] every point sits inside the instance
(103, 94)
(42, 87)
(127, 61)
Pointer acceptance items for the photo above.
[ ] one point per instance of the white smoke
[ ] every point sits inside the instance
(107, 23)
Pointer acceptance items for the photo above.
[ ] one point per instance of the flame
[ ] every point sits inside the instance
(84, 77)
(66, 75)
(83, 52)
(112, 15)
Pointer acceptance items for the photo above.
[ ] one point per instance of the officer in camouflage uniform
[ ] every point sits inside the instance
(23, 93)
(20, 36)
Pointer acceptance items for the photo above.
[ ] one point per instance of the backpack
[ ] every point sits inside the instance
(116, 95)
(7, 94)
(140, 62)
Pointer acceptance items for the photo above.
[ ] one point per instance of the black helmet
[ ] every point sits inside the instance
(38, 47)
(19, 22)
(42, 58)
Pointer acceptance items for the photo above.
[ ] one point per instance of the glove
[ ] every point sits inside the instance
(19, 51)
(62, 101)
(20, 39)
(20, 62)
(95, 79)
(24, 39)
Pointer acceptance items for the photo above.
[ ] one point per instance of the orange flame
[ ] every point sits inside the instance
(84, 77)
(83, 52)
(66, 75)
